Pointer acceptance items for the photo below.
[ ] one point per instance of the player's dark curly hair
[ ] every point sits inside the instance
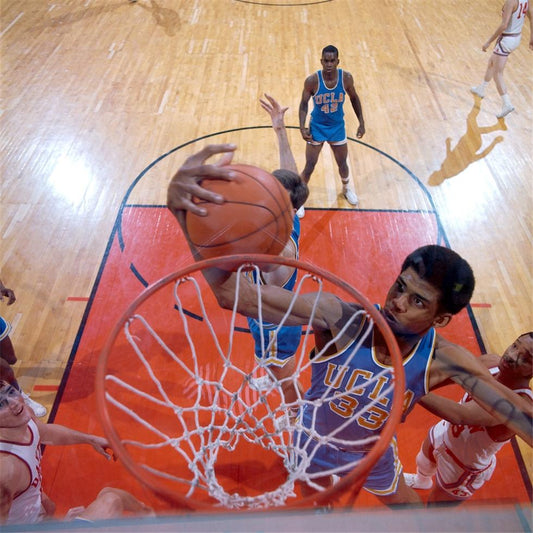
(296, 186)
(330, 48)
(447, 271)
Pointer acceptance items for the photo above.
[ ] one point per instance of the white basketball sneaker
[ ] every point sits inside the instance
(301, 212)
(506, 109)
(417, 481)
(478, 91)
(350, 196)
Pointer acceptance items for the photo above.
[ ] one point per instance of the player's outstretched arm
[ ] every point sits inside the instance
(277, 113)
(459, 365)
(470, 413)
(274, 109)
(186, 183)
(58, 435)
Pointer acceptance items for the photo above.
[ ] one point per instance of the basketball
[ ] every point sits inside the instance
(256, 217)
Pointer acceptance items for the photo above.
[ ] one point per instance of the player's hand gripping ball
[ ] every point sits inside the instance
(255, 218)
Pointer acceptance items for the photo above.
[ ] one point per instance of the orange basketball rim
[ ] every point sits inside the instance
(175, 395)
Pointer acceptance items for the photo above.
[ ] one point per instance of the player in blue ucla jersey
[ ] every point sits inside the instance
(328, 88)
(434, 284)
(277, 347)
(358, 380)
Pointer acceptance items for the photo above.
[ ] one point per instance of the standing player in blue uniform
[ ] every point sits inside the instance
(279, 353)
(277, 348)
(328, 88)
(434, 284)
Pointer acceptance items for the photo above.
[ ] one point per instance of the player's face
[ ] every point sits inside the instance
(412, 305)
(517, 360)
(13, 410)
(329, 61)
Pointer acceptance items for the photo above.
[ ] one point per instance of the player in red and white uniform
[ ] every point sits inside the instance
(27, 505)
(507, 36)
(460, 451)
(22, 500)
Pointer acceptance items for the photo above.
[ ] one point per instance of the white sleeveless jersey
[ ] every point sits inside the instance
(517, 19)
(472, 445)
(26, 507)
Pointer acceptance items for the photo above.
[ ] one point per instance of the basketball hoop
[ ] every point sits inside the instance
(176, 396)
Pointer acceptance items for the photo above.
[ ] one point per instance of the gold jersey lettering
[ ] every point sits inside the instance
(407, 399)
(329, 380)
(358, 382)
(355, 375)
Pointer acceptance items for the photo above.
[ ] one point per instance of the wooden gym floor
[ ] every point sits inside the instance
(95, 92)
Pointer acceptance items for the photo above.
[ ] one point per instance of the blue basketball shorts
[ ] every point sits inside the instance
(332, 133)
(383, 478)
(276, 347)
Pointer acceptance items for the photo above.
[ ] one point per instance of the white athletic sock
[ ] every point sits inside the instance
(424, 466)
(425, 470)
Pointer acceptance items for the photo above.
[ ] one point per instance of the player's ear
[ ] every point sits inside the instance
(442, 320)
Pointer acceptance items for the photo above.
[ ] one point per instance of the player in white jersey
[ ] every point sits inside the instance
(27, 506)
(507, 37)
(22, 500)
(460, 451)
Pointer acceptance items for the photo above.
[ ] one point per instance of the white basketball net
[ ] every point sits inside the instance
(203, 429)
